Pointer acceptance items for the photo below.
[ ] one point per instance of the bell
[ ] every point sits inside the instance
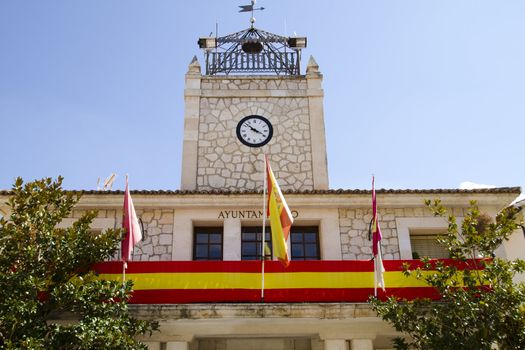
(252, 47)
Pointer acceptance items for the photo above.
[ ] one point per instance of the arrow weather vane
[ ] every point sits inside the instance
(250, 8)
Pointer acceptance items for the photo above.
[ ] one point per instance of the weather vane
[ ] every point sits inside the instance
(250, 8)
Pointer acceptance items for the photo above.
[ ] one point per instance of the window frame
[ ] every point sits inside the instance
(303, 230)
(257, 230)
(208, 230)
(429, 237)
(406, 224)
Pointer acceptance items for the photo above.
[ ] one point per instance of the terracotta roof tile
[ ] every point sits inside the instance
(516, 190)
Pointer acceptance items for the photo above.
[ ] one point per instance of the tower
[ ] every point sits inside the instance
(252, 100)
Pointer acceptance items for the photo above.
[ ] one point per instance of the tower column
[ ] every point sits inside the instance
(335, 344)
(191, 126)
(315, 103)
(177, 345)
(361, 344)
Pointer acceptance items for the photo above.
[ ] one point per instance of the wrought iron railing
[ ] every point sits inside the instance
(253, 51)
(267, 62)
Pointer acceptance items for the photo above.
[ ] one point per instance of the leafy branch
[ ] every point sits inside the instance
(479, 304)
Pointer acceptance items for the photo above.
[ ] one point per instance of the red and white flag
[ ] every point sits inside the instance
(379, 269)
(131, 226)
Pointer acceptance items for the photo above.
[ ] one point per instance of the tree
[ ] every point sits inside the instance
(479, 303)
(45, 275)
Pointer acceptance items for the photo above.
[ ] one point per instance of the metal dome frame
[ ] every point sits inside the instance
(253, 51)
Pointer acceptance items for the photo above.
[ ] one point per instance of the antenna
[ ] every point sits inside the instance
(108, 183)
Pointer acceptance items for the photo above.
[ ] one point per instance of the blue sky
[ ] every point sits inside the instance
(423, 94)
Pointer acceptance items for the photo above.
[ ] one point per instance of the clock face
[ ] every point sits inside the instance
(254, 131)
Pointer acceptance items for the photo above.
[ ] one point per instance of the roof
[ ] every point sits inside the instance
(495, 190)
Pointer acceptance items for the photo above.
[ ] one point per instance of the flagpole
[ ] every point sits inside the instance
(124, 264)
(374, 230)
(124, 273)
(265, 185)
(375, 276)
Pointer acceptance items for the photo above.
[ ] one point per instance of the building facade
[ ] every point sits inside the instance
(250, 100)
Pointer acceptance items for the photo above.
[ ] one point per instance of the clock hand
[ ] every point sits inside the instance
(251, 128)
(255, 130)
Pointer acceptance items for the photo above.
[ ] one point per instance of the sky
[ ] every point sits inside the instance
(421, 93)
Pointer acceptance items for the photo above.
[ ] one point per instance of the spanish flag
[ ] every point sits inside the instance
(280, 217)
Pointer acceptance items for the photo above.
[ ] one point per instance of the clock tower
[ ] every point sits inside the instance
(249, 100)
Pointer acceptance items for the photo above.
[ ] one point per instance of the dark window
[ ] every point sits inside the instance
(305, 243)
(251, 243)
(207, 243)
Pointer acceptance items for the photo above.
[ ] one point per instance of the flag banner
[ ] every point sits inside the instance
(172, 282)
(379, 269)
(131, 226)
(376, 230)
(280, 217)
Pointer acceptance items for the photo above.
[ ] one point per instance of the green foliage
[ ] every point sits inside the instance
(49, 299)
(480, 305)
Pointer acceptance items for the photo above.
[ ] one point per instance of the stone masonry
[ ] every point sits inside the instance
(353, 228)
(351, 224)
(157, 245)
(214, 158)
(354, 225)
(225, 163)
(158, 225)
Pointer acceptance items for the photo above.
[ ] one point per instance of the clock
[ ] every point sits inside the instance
(254, 131)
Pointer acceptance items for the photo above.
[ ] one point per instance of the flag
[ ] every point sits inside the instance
(379, 269)
(280, 217)
(130, 224)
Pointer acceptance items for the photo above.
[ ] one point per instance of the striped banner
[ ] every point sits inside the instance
(173, 282)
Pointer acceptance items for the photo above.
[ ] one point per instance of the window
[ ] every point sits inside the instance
(424, 243)
(305, 243)
(251, 243)
(207, 243)
(412, 226)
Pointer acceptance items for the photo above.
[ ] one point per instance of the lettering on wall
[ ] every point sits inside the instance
(246, 214)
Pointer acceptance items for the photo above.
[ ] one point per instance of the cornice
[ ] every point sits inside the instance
(341, 198)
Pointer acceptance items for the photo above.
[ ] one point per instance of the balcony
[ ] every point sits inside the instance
(182, 282)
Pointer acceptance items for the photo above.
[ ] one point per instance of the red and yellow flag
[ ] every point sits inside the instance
(280, 217)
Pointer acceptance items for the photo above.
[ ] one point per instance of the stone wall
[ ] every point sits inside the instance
(353, 230)
(158, 225)
(158, 242)
(225, 163)
(354, 225)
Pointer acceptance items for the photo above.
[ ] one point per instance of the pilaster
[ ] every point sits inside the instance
(315, 102)
(231, 240)
(182, 236)
(191, 126)
(329, 236)
(177, 345)
(361, 344)
(335, 344)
